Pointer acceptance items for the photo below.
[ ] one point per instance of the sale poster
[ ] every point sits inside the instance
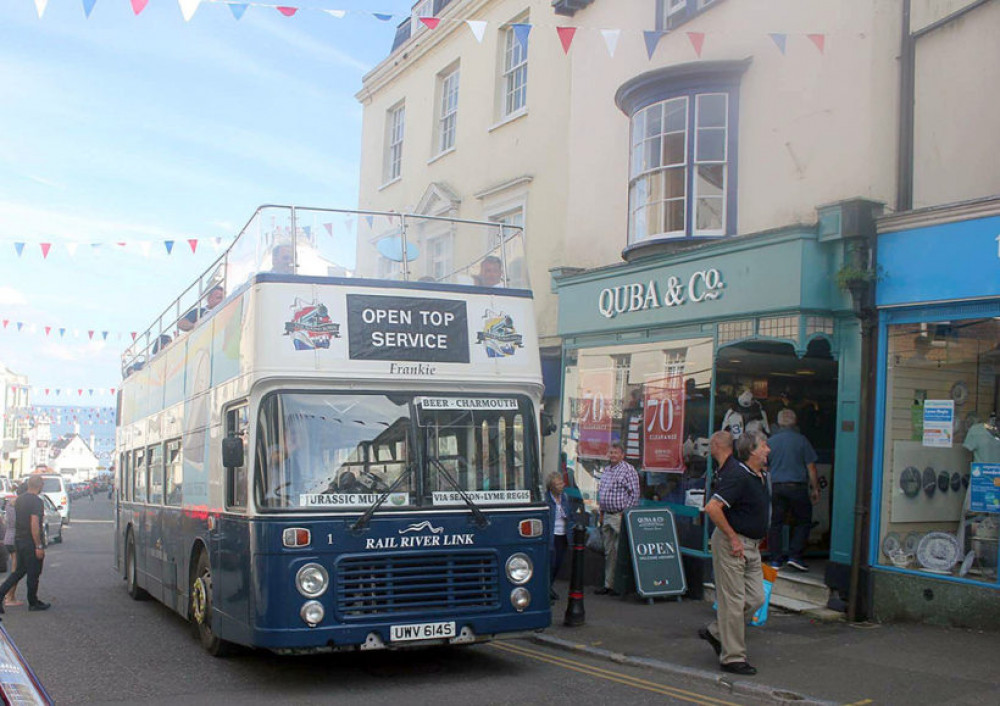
(663, 425)
(594, 412)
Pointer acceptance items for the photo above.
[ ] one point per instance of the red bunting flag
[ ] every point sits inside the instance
(139, 5)
(112, 390)
(5, 322)
(193, 242)
(287, 11)
(329, 228)
(45, 249)
(47, 329)
(90, 335)
(81, 395)
(819, 40)
(697, 41)
(46, 390)
(566, 35)
(431, 22)
(134, 334)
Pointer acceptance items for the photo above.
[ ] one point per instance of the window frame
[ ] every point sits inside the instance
(446, 111)
(671, 14)
(237, 479)
(512, 72)
(168, 468)
(152, 452)
(395, 132)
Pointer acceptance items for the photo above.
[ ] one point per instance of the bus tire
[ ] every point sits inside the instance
(132, 571)
(201, 610)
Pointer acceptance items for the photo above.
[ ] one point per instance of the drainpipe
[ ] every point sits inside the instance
(907, 69)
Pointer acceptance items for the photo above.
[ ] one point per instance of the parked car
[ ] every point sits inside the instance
(56, 488)
(18, 683)
(52, 523)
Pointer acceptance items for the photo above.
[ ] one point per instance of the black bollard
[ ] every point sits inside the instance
(575, 614)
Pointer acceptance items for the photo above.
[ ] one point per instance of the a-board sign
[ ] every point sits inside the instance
(656, 554)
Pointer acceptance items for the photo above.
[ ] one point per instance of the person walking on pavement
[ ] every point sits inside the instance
(794, 488)
(618, 491)
(559, 513)
(29, 510)
(739, 510)
(8, 540)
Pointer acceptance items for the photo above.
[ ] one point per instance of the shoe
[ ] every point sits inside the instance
(602, 591)
(776, 565)
(743, 668)
(41, 605)
(798, 565)
(708, 637)
(613, 593)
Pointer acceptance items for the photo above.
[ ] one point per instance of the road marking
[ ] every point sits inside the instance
(78, 521)
(610, 675)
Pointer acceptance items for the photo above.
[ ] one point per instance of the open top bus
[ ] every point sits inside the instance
(314, 456)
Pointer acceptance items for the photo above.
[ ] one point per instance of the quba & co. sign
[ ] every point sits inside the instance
(702, 286)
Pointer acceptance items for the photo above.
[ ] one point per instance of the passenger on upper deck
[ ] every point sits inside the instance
(281, 259)
(490, 272)
(214, 298)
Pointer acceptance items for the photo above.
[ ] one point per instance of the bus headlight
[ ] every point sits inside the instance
(519, 569)
(312, 580)
(520, 598)
(312, 613)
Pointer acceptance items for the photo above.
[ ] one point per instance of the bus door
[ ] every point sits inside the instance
(232, 537)
(116, 499)
(154, 525)
(171, 530)
(139, 516)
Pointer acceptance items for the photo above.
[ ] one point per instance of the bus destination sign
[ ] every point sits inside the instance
(407, 328)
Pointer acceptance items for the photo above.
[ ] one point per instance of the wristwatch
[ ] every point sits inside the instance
(40, 546)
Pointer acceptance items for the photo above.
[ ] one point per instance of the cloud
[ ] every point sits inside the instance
(10, 296)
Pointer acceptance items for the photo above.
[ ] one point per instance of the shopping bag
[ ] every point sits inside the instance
(595, 542)
(770, 576)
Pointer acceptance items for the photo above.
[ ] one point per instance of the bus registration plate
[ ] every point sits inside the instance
(421, 631)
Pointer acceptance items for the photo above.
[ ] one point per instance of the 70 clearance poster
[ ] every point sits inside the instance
(594, 413)
(663, 425)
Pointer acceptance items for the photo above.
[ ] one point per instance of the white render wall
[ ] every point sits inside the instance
(814, 128)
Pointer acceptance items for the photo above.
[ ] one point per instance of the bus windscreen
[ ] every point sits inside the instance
(342, 451)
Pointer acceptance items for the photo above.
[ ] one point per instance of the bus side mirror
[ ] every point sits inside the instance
(548, 424)
(232, 452)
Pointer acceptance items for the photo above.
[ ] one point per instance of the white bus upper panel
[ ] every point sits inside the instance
(308, 327)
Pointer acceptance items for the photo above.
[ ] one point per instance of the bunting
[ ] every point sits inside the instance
(522, 30)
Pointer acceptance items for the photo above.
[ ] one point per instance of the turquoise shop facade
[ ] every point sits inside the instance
(940, 284)
(730, 291)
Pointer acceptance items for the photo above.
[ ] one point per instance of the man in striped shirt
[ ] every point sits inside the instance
(617, 492)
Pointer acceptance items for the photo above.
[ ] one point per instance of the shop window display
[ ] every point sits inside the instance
(941, 458)
(654, 399)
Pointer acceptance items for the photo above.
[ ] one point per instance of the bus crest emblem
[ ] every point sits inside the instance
(311, 327)
(499, 336)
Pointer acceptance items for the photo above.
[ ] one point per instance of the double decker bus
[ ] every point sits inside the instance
(320, 456)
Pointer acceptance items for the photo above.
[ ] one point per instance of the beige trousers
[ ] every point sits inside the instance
(610, 530)
(739, 591)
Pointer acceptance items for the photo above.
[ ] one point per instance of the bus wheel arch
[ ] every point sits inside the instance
(131, 569)
(200, 604)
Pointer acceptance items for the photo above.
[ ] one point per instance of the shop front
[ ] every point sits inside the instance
(936, 494)
(662, 351)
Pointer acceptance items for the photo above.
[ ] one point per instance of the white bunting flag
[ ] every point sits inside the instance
(611, 39)
(71, 248)
(339, 14)
(478, 28)
(144, 247)
(40, 6)
(188, 8)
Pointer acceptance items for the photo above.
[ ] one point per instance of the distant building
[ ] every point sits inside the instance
(73, 457)
(14, 402)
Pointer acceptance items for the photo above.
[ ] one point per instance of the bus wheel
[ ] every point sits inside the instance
(201, 610)
(132, 572)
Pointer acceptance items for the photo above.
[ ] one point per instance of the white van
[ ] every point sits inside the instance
(55, 488)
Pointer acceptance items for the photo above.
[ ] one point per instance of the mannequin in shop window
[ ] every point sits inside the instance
(746, 413)
(983, 440)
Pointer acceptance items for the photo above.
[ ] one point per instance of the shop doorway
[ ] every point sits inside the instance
(771, 377)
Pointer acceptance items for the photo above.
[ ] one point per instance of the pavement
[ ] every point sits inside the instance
(799, 659)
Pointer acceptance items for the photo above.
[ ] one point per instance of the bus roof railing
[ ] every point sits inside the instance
(342, 243)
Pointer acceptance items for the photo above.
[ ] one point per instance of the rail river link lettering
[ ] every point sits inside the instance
(414, 542)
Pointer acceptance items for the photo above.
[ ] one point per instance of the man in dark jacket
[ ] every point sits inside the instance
(29, 511)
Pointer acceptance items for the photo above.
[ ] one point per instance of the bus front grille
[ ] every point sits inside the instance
(418, 584)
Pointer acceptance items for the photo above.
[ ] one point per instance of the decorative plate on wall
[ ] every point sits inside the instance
(938, 551)
(891, 544)
(960, 393)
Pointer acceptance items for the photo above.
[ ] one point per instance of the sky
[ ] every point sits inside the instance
(143, 129)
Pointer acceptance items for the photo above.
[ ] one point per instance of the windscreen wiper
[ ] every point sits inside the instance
(363, 521)
(481, 520)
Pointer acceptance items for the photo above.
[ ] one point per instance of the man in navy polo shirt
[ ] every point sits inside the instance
(739, 510)
(794, 488)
